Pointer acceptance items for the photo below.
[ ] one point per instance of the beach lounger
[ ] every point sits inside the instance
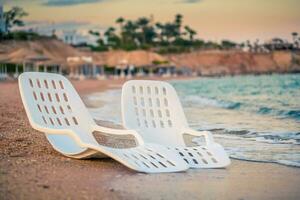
(153, 109)
(54, 107)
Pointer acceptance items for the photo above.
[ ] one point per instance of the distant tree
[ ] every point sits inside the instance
(169, 32)
(131, 37)
(110, 32)
(295, 35)
(100, 41)
(13, 17)
(53, 33)
(278, 43)
(211, 45)
(150, 34)
(95, 33)
(227, 44)
(256, 45)
(249, 45)
(112, 39)
(190, 32)
(241, 45)
(142, 23)
(295, 39)
(120, 21)
(178, 23)
(130, 31)
(160, 27)
(101, 45)
(178, 19)
(168, 37)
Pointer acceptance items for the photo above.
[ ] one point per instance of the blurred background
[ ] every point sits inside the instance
(234, 63)
(101, 38)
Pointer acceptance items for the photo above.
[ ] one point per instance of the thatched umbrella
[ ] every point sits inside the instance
(3, 58)
(98, 58)
(24, 56)
(73, 64)
(113, 58)
(147, 59)
(98, 64)
(53, 49)
(142, 58)
(20, 55)
(138, 58)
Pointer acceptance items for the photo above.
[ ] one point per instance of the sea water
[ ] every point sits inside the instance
(255, 118)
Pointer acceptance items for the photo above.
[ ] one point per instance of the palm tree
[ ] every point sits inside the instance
(110, 31)
(112, 38)
(143, 23)
(178, 22)
(170, 31)
(227, 44)
(294, 34)
(249, 45)
(295, 38)
(167, 31)
(120, 21)
(13, 17)
(160, 27)
(130, 34)
(150, 35)
(178, 19)
(94, 33)
(255, 46)
(190, 32)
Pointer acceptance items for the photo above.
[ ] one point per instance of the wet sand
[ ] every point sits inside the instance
(31, 169)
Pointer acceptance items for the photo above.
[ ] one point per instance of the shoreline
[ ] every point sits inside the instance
(31, 169)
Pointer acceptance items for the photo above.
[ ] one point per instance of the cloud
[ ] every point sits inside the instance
(191, 1)
(46, 27)
(68, 2)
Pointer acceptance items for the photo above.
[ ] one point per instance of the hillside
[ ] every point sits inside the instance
(237, 62)
(208, 63)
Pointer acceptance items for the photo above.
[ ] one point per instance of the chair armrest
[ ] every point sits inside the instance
(207, 134)
(112, 131)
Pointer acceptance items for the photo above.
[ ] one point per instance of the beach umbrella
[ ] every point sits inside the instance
(139, 58)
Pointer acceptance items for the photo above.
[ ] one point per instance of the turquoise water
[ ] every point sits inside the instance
(276, 95)
(254, 117)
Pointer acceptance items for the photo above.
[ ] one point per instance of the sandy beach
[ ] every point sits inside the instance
(31, 169)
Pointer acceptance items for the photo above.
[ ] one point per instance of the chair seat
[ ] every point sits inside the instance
(153, 109)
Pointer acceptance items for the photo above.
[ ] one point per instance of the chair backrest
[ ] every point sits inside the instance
(53, 105)
(154, 110)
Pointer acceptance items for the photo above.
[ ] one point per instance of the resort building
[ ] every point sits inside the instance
(75, 38)
(85, 66)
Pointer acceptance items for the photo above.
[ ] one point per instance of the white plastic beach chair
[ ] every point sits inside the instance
(54, 107)
(153, 109)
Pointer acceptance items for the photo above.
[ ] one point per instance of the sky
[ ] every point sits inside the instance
(237, 20)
